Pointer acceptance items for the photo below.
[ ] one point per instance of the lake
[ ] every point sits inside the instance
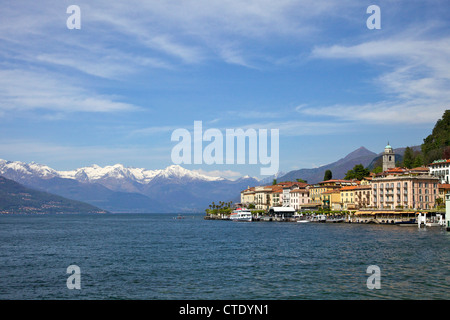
(156, 256)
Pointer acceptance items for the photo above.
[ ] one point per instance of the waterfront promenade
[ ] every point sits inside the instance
(383, 217)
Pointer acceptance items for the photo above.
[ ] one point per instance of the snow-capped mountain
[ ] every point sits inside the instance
(20, 170)
(118, 188)
(95, 173)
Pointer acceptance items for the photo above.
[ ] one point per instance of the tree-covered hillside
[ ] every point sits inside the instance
(15, 198)
(437, 144)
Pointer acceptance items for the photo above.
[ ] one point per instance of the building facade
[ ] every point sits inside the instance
(248, 196)
(298, 198)
(404, 188)
(316, 191)
(441, 169)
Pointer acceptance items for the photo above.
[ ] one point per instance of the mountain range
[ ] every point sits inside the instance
(121, 189)
(118, 188)
(340, 167)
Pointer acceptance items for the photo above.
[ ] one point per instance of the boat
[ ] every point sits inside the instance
(320, 218)
(241, 215)
(335, 220)
(303, 221)
(432, 224)
(410, 223)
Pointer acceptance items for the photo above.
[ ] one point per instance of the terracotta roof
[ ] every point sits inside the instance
(349, 188)
(420, 169)
(337, 180)
(444, 186)
(298, 190)
(364, 186)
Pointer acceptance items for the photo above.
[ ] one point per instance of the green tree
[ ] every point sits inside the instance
(434, 145)
(358, 172)
(274, 182)
(418, 161)
(328, 175)
(408, 158)
(378, 169)
(301, 181)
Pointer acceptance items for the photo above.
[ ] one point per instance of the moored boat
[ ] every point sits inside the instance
(410, 223)
(241, 214)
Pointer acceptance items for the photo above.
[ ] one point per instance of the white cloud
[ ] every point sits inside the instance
(22, 90)
(416, 81)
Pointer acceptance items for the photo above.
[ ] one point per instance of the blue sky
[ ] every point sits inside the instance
(115, 90)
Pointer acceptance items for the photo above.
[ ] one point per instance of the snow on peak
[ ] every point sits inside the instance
(177, 171)
(95, 172)
(24, 169)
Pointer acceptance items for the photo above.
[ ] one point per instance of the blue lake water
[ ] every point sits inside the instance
(154, 256)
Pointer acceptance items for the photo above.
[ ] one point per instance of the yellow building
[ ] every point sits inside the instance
(347, 195)
(248, 196)
(331, 200)
(330, 188)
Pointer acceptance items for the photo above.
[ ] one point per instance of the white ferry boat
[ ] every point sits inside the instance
(241, 215)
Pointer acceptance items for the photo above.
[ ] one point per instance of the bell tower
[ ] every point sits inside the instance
(388, 158)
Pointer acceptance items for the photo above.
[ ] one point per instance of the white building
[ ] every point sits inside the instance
(440, 169)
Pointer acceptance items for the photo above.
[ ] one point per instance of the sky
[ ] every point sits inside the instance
(114, 90)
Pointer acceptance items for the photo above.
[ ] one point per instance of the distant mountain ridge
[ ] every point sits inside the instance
(120, 189)
(16, 198)
(338, 168)
(174, 189)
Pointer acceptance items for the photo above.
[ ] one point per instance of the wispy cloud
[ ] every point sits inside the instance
(22, 90)
(416, 80)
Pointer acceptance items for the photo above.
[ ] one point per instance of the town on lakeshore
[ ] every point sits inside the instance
(393, 196)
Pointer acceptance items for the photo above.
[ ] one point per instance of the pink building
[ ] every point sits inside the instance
(298, 197)
(404, 188)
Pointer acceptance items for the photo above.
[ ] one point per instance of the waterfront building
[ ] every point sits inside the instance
(356, 197)
(441, 169)
(287, 188)
(331, 200)
(276, 196)
(404, 188)
(262, 197)
(299, 197)
(443, 188)
(347, 197)
(316, 191)
(363, 195)
(248, 196)
(268, 196)
(388, 158)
